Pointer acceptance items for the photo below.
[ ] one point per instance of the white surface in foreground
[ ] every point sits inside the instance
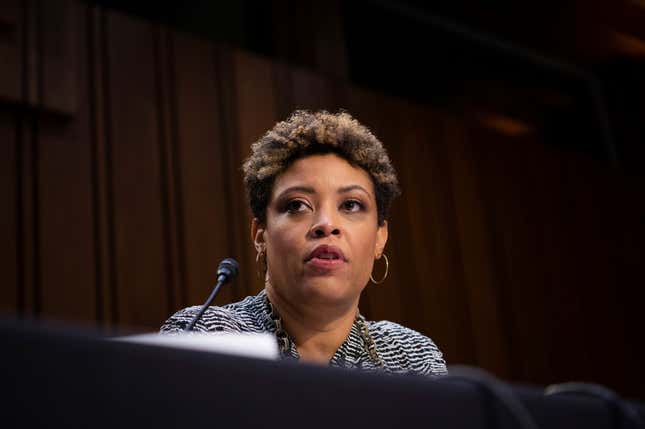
(262, 346)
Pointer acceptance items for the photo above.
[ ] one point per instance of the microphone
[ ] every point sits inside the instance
(226, 272)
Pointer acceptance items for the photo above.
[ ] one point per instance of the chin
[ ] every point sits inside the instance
(330, 291)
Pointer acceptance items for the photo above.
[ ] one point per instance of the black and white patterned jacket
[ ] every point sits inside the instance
(400, 349)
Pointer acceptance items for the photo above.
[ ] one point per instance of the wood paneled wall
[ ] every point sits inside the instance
(121, 143)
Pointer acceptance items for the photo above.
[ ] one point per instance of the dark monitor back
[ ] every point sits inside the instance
(60, 378)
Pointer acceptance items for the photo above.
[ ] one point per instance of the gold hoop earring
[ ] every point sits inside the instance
(387, 269)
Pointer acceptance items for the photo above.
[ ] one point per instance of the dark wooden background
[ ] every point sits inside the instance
(121, 143)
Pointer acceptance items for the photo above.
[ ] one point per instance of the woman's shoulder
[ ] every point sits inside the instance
(407, 348)
(242, 316)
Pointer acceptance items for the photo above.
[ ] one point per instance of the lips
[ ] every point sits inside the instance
(326, 254)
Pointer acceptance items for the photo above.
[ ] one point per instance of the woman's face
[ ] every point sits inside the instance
(321, 235)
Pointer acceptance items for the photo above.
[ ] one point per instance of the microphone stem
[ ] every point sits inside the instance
(220, 281)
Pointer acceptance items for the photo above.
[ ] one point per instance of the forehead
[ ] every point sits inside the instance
(323, 172)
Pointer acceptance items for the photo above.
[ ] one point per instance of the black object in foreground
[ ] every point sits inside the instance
(59, 378)
(226, 272)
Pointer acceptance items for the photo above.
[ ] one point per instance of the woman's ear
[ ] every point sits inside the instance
(381, 239)
(257, 235)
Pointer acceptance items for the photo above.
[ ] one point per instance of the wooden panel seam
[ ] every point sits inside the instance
(230, 135)
(165, 100)
(181, 289)
(109, 210)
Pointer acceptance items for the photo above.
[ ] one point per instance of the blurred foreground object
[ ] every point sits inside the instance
(61, 378)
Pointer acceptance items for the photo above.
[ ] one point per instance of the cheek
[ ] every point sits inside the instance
(281, 236)
(365, 243)
(282, 245)
(368, 236)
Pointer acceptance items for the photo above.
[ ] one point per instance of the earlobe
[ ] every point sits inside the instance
(257, 235)
(381, 239)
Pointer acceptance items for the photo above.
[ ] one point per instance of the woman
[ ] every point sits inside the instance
(320, 186)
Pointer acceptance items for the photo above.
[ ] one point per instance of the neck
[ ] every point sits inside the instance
(317, 332)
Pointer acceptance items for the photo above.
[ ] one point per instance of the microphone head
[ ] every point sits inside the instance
(228, 268)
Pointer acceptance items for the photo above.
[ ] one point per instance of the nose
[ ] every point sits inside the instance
(324, 226)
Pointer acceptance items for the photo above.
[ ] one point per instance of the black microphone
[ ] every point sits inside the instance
(226, 272)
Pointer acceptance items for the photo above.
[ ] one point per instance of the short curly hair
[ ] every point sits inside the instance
(307, 133)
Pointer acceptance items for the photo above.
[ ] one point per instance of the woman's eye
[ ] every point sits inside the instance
(352, 206)
(296, 206)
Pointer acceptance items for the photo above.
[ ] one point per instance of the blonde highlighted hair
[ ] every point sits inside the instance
(307, 133)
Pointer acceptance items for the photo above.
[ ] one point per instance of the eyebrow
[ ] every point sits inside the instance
(350, 188)
(312, 191)
(304, 189)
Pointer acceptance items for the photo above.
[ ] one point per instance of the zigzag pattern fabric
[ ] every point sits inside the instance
(399, 349)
